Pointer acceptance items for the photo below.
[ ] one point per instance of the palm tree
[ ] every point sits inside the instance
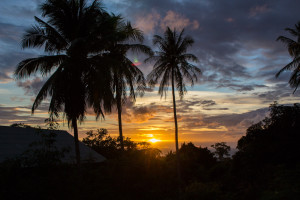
(124, 74)
(67, 37)
(294, 51)
(172, 67)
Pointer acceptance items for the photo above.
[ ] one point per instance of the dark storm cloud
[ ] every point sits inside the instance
(226, 28)
(227, 34)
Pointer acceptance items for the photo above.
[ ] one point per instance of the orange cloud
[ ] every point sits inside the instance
(254, 11)
(147, 23)
(175, 20)
(229, 19)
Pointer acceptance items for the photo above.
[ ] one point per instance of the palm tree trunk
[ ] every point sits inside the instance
(176, 131)
(175, 115)
(77, 152)
(119, 108)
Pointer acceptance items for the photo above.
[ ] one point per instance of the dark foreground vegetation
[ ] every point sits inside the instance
(266, 166)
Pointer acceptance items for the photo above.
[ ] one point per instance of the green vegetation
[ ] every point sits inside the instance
(266, 166)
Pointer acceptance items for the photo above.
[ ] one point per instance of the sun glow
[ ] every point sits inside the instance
(153, 140)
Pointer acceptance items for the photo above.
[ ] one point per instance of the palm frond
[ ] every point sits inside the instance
(190, 57)
(295, 78)
(292, 31)
(164, 83)
(293, 47)
(55, 40)
(45, 90)
(34, 37)
(172, 60)
(292, 65)
(137, 48)
(43, 64)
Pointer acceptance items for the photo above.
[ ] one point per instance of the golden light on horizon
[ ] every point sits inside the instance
(153, 140)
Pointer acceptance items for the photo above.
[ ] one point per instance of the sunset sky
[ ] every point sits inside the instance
(235, 41)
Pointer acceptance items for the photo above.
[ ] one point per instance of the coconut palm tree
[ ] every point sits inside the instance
(125, 76)
(293, 47)
(68, 38)
(172, 67)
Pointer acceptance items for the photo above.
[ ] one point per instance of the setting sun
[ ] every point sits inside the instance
(153, 140)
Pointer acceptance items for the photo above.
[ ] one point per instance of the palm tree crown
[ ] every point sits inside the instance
(172, 62)
(68, 38)
(124, 74)
(172, 66)
(294, 51)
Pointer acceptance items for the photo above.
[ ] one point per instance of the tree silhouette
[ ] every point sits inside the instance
(278, 132)
(294, 51)
(124, 74)
(221, 150)
(68, 38)
(172, 66)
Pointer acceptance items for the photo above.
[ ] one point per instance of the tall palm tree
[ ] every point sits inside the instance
(125, 76)
(172, 67)
(67, 37)
(293, 47)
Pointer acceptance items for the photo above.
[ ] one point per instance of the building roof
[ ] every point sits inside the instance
(15, 140)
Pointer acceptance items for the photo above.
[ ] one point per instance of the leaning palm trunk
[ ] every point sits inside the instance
(77, 152)
(176, 130)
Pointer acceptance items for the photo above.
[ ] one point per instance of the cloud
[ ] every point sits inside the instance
(140, 114)
(148, 22)
(10, 115)
(31, 87)
(254, 11)
(188, 105)
(178, 21)
(4, 78)
(221, 126)
(17, 99)
(240, 87)
(245, 119)
(229, 19)
(9, 33)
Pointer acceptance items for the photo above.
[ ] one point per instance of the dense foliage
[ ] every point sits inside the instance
(266, 166)
(85, 63)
